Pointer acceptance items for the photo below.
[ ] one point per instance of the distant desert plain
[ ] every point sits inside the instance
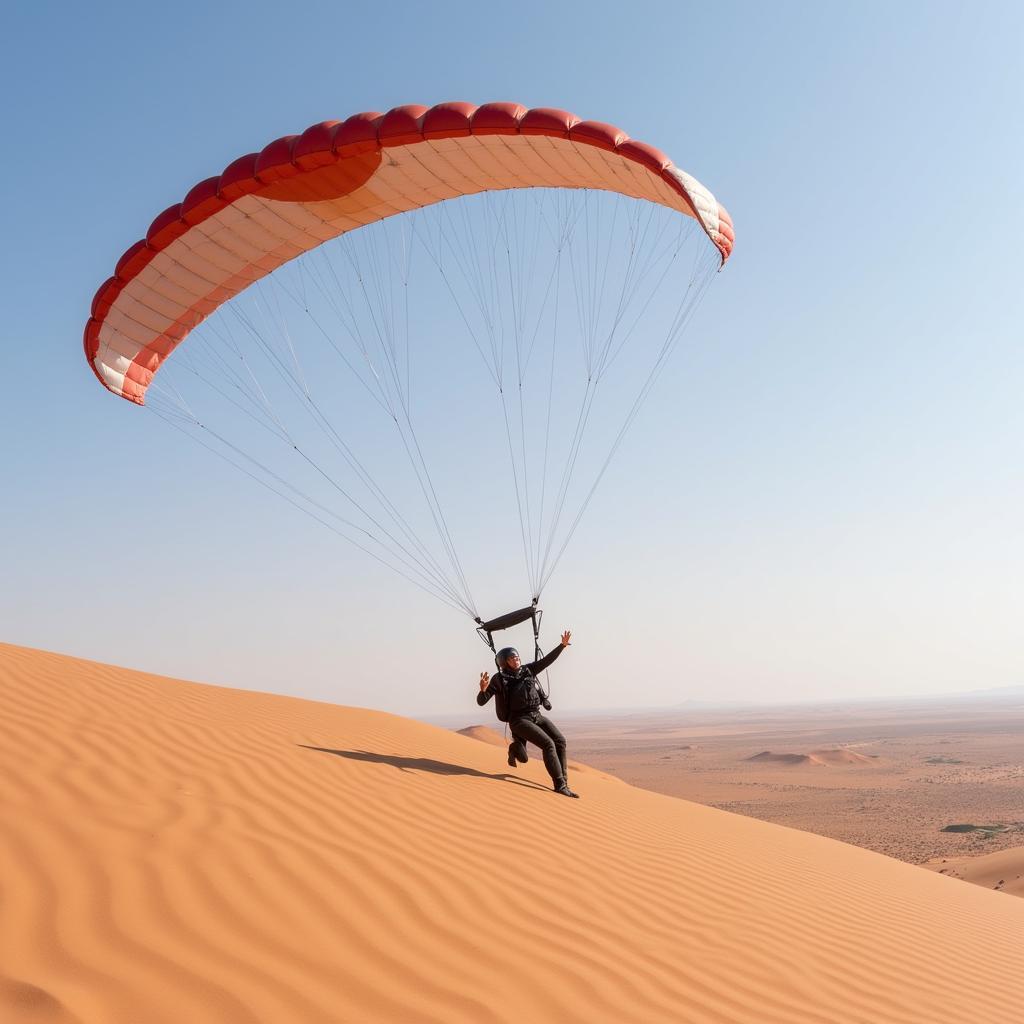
(178, 852)
(937, 782)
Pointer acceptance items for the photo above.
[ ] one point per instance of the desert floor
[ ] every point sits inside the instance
(886, 777)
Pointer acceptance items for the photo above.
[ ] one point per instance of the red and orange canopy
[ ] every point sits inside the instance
(300, 191)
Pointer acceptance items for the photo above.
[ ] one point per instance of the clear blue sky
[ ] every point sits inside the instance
(825, 495)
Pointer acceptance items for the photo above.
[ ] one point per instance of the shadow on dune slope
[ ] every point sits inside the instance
(423, 764)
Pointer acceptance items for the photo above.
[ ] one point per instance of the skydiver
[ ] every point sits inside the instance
(518, 700)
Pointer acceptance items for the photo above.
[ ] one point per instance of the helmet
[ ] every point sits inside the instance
(501, 659)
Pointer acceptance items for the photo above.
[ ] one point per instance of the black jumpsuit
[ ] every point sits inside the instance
(522, 698)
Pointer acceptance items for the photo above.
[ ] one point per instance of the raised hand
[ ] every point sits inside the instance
(484, 681)
(566, 638)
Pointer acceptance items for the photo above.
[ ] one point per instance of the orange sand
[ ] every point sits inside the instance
(171, 852)
(1002, 870)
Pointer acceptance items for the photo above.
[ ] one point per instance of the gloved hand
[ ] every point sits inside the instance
(547, 705)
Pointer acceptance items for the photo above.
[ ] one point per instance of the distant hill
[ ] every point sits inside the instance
(819, 758)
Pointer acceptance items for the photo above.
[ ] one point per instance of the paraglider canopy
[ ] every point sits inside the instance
(556, 241)
(266, 208)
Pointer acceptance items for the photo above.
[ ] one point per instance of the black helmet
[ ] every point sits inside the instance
(501, 659)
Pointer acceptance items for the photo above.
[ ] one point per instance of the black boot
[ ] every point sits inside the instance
(562, 788)
(517, 752)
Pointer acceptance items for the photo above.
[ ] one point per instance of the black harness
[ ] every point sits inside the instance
(518, 695)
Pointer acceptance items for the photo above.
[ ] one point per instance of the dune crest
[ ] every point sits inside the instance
(177, 852)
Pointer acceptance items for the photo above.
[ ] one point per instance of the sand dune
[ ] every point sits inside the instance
(841, 755)
(768, 757)
(816, 758)
(1002, 870)
(172, 852)
(485, 734)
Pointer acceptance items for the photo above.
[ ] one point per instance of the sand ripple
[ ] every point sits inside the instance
(171, 852)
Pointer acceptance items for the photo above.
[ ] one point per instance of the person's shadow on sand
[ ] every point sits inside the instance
(422, 764)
